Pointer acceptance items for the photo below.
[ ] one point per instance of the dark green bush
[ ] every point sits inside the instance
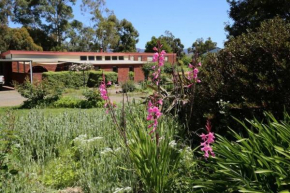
(128, 86)
(75, 79)
(251, 72)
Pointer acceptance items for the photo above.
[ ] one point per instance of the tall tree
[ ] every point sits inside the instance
(175, 43)
(57, 14)
(200, 46)
(6, 8)
(128, 37)
(107, 32)
(248, 14)
(153, 43)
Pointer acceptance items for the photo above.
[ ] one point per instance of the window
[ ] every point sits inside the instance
(149, 59)
(131, 69)
(166, 58)
(114, 58)
(99, 57)
(121, 57)
(139, 58)
(97, 67)
(115, 69)
(132, 58)
(83, 58)
(91, 57)
(107, 58)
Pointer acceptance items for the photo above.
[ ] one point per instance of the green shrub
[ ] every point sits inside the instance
(75, 79)
(39, 93)
(131, 76)
(128, 86)
(61, 172)
(67, 102)
(95, 77)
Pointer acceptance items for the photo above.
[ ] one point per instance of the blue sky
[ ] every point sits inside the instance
(185, 19)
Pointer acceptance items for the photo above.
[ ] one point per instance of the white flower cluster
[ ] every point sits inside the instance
(83, 139)
(123, 190)
(223, 105)
(109, 150)
(81, 67)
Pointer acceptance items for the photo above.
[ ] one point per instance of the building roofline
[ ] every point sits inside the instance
(24, 52)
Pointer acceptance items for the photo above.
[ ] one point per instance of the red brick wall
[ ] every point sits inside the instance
(123, 74)
(37, 76)
(138, 73)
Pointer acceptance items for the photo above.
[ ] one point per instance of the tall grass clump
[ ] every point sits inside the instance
(258, 161)
(75, 148)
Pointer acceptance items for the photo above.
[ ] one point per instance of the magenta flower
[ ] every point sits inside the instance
(154, 114)
(207, 139)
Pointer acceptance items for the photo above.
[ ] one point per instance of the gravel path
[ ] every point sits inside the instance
(10, 97)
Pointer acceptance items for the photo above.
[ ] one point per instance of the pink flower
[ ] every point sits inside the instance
(109, 83)
(155, 49)
(207, 140)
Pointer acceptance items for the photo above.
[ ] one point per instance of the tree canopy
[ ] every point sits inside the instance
(16, 39)
(248, 14)
(153, 43)
(200, 46)
(51, 25)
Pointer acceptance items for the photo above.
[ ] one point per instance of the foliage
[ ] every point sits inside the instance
(68, 147)
(131, 75)
(16, 39)
(248, 14)
(153, 43)
(67, 102)
(75, 79)
(8, 146)
(174, 43)
(107, 32)
(128, 37)
(128, 86)
(200, 46)
(41, 38)
(256, 162)
(258, 62)
(62, 171)
(39, 93)
(156, 162)
(147, 68)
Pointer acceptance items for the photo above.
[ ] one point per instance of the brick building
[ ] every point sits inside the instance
(15, 65)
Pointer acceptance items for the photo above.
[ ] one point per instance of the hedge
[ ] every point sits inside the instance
(71, 79)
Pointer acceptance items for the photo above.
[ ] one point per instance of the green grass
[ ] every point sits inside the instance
(59, 148)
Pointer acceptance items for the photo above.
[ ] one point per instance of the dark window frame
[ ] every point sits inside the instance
(107, 58)
(91, 58)
(83, 58)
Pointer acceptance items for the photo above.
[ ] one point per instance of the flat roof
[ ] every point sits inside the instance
(14, 60)
(24, 52)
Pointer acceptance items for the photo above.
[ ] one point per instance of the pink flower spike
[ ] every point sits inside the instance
(199, 64)
(198, 81)
(190, 66)
(155, 49)
(109, 83)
